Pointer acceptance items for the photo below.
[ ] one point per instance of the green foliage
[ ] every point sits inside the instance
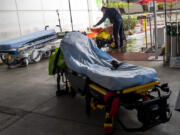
(132, 22)
(160, 5)
(99, 3)
(117, 4)
(169, 4)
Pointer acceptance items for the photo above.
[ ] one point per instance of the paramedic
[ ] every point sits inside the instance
(116, 19)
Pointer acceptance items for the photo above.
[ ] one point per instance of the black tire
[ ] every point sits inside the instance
(61, 93)
(72, 93)
(58, 93)
(37, 58)
(5, 61)
(13, 64)
(25, 62)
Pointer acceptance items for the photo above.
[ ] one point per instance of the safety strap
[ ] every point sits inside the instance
(113, 101)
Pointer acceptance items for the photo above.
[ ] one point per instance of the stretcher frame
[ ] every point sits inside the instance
(94, 96)
(21, 57)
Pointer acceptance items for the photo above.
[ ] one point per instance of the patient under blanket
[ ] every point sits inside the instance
(82, 55)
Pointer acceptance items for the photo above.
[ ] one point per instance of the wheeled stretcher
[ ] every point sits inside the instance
(28, 48)
(103, 81)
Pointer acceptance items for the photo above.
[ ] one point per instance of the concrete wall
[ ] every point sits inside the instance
(19, 17)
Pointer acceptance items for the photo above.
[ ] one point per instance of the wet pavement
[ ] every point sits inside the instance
(28, 105)
(137, 41)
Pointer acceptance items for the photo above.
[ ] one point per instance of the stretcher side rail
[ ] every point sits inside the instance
(38, 42)
(29, 45)
(137, 89)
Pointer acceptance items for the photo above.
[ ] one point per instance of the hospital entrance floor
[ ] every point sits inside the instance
(28, 105)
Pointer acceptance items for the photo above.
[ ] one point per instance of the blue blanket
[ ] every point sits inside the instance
(20, 41)
(82, 56)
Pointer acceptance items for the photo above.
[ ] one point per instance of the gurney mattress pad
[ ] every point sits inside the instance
(20, 41)
(82, 55)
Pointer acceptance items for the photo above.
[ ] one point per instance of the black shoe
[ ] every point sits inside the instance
(114, 47)
(121, 45)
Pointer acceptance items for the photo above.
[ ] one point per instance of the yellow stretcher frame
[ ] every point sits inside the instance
(137, 89)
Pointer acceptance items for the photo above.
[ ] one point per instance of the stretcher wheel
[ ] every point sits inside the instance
(7, 61)
(73, 93)
(4, 59)
(36, 55)
(58, 93)
(25, 62)
(12, 63)
(61, 93)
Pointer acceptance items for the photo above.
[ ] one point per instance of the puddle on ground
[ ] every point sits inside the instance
(134, 43)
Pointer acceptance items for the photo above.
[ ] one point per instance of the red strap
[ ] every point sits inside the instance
(114, 107)
(145, 98)
(115, 103)
(108, 95)
(108, 130)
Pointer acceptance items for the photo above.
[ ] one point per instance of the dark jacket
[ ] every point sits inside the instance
(112, 14)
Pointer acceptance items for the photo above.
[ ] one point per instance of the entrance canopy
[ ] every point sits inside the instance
(144, 2)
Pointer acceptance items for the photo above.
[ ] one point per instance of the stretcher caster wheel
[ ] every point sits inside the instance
(25, 62)
(4, 58)
(61, 93)
(58, 93)
(72, 93)
(36, 55)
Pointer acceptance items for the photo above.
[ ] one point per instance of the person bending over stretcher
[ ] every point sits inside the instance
(117, 21)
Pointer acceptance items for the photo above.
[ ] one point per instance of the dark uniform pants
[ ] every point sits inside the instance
(118, 30)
